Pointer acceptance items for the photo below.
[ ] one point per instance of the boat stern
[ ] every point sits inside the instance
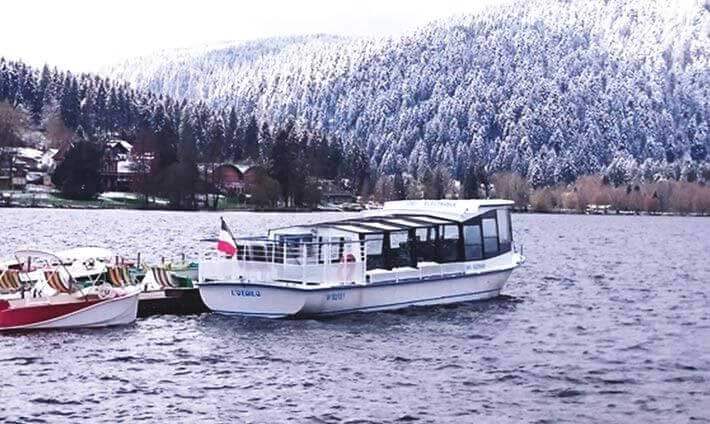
(249, 299)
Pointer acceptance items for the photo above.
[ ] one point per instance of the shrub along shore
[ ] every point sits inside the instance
(594, 194)
(589, 194)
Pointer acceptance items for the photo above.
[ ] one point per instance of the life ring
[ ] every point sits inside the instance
(347, 267)
(89, 264)
(106, 291)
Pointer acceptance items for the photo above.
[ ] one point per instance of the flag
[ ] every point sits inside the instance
(226, 242)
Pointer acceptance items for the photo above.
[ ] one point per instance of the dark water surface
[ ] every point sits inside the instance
(609, 321)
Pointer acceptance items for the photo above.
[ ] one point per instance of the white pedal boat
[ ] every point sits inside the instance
(49, 296)
(410, 253)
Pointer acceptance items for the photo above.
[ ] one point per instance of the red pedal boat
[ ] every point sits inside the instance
(70, 305)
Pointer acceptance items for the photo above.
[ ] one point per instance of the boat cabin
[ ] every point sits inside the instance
(398, 239)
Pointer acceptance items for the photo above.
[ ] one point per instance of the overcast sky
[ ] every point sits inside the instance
(82, 35)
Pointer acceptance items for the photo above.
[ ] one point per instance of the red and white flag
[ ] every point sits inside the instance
(226, 242)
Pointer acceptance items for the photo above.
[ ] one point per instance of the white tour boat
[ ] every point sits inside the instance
(420, 252)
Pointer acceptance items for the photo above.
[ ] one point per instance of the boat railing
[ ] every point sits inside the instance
(310, 263)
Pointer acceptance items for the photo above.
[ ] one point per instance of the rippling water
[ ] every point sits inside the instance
(609, 321)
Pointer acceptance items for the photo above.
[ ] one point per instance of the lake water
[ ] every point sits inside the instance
(608, 321)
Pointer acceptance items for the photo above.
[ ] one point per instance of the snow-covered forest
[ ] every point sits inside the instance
(52, 108)
(548, 89)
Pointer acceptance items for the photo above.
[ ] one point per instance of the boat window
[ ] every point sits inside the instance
(289, 247)
(278, 253)
(490, 236)
(400, 253)
(336, 248)
(425, 245)
(451, 232)
(373, 244)
(504, 230)
(373, 249)
(241, 250)
(313, 253)
(321, 250)
(473, 243)
(258, 253)
(397, 239)
(449, 244)
(293, 253)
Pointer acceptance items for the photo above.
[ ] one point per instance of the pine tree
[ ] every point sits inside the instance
(699, 143)
(78, 175)
(187, 148)
(471, 183)
(399, 190)
(263, 147)
(216, 147)
(252, 138)
(283, 161)
(232, 139)
(70, 102)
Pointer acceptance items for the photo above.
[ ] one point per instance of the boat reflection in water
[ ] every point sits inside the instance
(410, 253)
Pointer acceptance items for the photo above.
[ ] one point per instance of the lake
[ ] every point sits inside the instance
(608, 321)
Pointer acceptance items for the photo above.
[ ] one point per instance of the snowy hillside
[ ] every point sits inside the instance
(549, 89)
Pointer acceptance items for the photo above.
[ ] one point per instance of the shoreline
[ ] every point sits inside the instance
(159, 209)
(610, 213)
(94, 205)
(47, 200)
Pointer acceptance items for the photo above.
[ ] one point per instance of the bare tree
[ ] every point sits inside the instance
(58, 135)
(384, 187)
(701, 201)
(437, 183)
(143, 156)
(512, 186)
(12, 122)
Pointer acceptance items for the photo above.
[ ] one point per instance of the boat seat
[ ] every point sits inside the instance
(430, 269)
(406, 272)
(380, 274)
(119, 276)
(10, 281)
(162, 277)
(378, 271)
(55, 281)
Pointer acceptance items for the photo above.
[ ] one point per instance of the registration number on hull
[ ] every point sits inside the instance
(245, 293)
(335, 296)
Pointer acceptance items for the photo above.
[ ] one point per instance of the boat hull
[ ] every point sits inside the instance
(280, 301)
(35, 315)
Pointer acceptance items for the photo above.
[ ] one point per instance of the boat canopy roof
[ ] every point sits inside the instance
(405, 215)
(82, 253)
(379, 224)
(456, 210)
(22, 256)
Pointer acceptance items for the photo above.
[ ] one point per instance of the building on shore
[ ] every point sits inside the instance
(121, 166)
(20, 166)
(233, 178)
(333, 192)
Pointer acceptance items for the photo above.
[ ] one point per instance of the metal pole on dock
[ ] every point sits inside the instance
(138, 260)
(304, 257)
